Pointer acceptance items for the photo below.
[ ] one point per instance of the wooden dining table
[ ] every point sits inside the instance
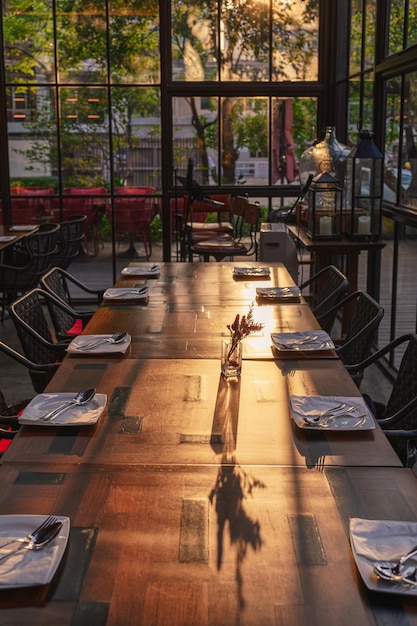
(9, 236)
(196, 500)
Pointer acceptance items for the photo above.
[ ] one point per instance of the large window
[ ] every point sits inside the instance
(107, 93)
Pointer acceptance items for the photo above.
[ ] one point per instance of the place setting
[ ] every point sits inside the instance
(385, 554)
(278, 294)
(303, 343)
(31, 548)
(116, 343)
(335, 413)
(133, 269)
(251, 272)
(83, 408)
(129, 294)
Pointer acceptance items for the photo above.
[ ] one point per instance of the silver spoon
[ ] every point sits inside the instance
(39, 541)
(388, 571)
(330, 413)
(116, 338)
(27, 538)
(81, 398)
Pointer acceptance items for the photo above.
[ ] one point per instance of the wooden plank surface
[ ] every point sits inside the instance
(274, 546)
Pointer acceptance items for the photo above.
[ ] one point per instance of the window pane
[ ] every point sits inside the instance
(134, 41)
(32, 135)
(136, 137)
(392, 139)
(244, 40)
(396, 27)
(353, 110)
(195, 128)
(295, 40)
(370, 24)
(84, 137)
(408, 188)
(81, 41)
(244, 140)
(368, 102)
(293, 131)
(355, 58)
(412, 23)
(28, 27)
(194, 40)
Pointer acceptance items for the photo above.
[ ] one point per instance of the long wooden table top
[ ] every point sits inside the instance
(196, 500)
(207, 545)
(184, 411)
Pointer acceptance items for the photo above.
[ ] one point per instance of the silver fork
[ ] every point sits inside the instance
(49, 521)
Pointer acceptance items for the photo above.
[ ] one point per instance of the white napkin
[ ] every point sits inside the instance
(76, 345)
(6, 238)
(251, 271)
(297, 341)
(126, 293)
(279, 292)
(84, 415)
(380, 540)
(136, 270)
(22, 227)
(30, 567)
(315, 406)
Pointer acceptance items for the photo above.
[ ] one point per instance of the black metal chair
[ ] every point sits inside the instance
(40, 373)
(364, 315)
(398, 416)
(70, 240)
(33, 328)
(326, 288)
(57, 282)
(9, 424)
(24, 263)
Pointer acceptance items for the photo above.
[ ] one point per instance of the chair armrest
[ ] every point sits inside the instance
(97, 292)
(398, 416)
(357, 367)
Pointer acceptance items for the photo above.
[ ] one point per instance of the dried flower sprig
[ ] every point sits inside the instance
(241, 328)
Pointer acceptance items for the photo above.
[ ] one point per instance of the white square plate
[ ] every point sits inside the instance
(314, 406)
(28, 568)
(309, 341)
(84, 415)
(279, 293)
(381, 540)
(251, 271)
(22, 227)
(126, 293)
(141, 270)
(77, 345)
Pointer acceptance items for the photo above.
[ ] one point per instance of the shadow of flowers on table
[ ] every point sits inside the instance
(233, 486)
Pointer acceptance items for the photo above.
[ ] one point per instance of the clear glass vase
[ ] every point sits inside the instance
(327, 155)
(231, 359)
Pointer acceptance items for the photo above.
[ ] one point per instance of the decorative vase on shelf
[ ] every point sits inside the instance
(327, 155)
(231, 358)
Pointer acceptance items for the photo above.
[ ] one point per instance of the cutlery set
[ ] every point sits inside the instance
(37, 539)
(398, 572)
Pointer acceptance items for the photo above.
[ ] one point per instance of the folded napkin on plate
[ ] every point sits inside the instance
(126, 293)
(309, 340)
(285, 293)
(251, 271)
(83, 415)
(315, 406)
(101, 347)
(137, 270)
(382, 540)
(28, 567)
